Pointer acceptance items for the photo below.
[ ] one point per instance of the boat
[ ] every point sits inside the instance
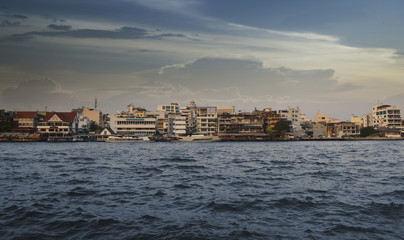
(198, 138)
(126, 139)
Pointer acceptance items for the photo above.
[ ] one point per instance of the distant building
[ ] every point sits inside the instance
(171, 108)
(320, 130)
(25, 121)
(59, 123)
(386, 116)
(320, 118)
(357, 120)
(225, 109)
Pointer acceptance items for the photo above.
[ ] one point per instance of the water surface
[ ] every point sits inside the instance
(237, 190)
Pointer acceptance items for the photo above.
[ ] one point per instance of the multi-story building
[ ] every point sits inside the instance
(90, 113)
(320, 118)
(171, 108)
(129, 123)
(241, 123)
(59, 123)
(26, 121)
(190, 120)
(386, 116)
(179, 124)
(271, 117)
(225, 109)
(357, 120)
(291, 114)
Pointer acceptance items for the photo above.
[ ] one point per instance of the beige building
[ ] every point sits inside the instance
(225, 109)
(357, 120)
(59, 123)
(386, 116)
(320, 118)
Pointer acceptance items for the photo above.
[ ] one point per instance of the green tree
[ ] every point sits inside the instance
(367, 131)
(5, 126)
(282, 125)
(94, 127)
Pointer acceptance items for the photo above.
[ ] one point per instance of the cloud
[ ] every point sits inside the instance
(121, 33)
(59, 27)
(252, 78)
(17, 16)
(7, 23)
(37, 93)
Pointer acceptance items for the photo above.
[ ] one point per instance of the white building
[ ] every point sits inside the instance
(133, 122)
(291, 114)
(171, 108)
(128, 125)
(386, 116)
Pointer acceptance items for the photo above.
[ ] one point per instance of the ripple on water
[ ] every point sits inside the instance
(249, 190)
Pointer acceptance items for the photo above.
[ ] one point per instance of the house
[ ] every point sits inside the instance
(59, 123)
(320, 130)
(107, 132)
(25, 121)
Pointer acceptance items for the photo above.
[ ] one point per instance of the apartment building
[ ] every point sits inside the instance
(386, 116)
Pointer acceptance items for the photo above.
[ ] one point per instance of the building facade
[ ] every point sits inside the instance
(386, 116)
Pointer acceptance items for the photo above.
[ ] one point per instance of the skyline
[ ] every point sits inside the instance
(337, 58)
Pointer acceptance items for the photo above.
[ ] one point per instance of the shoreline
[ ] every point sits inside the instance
(70, 140)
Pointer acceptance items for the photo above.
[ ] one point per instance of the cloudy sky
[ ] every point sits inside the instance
(335, 57)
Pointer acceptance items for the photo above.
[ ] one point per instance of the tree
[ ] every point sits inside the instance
(367, 131)
(282, 125)
(5, 126)
(92, 127)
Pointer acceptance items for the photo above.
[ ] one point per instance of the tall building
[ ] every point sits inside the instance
(386, 116)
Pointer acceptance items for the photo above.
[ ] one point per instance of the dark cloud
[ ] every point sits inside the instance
(17, 16)
(251, 78)
(122, 33)
(7, 23)
(37, 93)
(60, 27)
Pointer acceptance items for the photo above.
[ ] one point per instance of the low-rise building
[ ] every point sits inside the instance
(59, 123)
(320, 130)
(25, 121)
(320, 118)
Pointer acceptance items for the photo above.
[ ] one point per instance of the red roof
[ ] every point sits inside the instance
(64, 116)
(25, 114)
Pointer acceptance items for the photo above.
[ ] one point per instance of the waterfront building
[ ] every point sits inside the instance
(190, 119)
(347, 129)
(130, 123)
(320, 130)
(206, 121)
(241, 123)
(357, 120)
(320, 118)
(291, 114)
(164, 126)
(367, 120)
(90, 113)
(25, 121)
(386, 116)
(179, 124)
(59, 123)
(270, 117)
(294, 116)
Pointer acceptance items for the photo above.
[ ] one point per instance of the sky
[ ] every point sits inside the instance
(331, 57)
